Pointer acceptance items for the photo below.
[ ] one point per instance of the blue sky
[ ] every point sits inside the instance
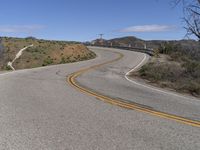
(83, 20)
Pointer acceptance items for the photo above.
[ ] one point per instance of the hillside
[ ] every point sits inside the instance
(43, 52)
(175, 66)
(132, 41)
(124, 41)
(128, 41)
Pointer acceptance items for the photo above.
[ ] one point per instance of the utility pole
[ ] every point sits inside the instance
(101, 38)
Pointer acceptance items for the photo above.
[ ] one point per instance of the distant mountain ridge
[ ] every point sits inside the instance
(132, 41)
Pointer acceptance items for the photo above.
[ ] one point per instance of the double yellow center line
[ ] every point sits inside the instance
(71, 79)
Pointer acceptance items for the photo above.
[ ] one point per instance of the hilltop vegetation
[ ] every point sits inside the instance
(43, 52)
(176, 64)
(175, 67)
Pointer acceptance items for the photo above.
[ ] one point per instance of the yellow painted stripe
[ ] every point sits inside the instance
(72, 81)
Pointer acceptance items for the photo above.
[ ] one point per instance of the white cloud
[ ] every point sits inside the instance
(20, 28)
(148, 28)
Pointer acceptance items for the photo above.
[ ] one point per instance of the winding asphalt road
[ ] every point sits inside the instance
(41, 109)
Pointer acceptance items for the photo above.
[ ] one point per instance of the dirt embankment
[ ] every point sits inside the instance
(165, 72)
(43, 53)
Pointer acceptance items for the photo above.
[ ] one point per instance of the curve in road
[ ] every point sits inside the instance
(72, 81)
(38, 110)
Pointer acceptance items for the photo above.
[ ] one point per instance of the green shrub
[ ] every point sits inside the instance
(184, 78)
(47, 61)
(62, 60)
(8, 68)
(169, 48)
(192, 69)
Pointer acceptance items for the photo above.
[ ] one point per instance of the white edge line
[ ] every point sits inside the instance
(150, 87)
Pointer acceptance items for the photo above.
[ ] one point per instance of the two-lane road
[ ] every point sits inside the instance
(40, 110)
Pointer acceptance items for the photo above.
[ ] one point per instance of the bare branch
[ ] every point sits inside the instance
(192, 16)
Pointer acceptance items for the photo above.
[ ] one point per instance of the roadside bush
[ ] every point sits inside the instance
(192, 68)
(185, 77)
(8, 68)
(194, 88)
(47, 61)
(67, 60)
(62, 60)
(166, 48)
(160, 71)
(188, 85)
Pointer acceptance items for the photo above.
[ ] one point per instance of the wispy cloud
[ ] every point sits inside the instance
(148, 28)
(20, 28)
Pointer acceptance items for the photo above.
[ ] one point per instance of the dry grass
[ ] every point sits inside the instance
(176, 67)
(182, 76)
(43, 52)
